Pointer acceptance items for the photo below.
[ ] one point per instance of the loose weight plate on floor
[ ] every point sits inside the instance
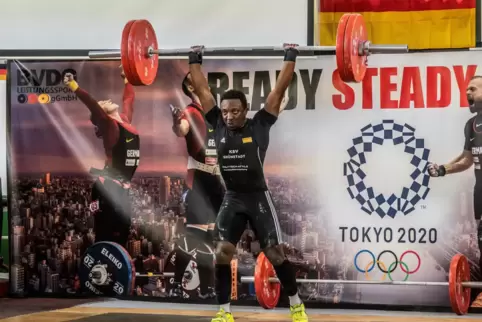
(106, 269)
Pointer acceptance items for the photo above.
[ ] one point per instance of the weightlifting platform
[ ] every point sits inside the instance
(134, 311)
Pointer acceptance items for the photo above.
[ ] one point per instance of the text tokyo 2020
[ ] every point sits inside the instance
(400, 235)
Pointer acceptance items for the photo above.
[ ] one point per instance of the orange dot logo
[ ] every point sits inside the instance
(44, 99)
(32, 99)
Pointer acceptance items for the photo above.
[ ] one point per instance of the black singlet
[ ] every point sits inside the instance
(125, 154)
(241, 152)
(473, 143)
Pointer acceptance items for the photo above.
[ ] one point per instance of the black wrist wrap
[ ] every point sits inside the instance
(291, 54)
(195, 58)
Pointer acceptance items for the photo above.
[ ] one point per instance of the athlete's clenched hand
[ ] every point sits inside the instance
(68, 78)
(436, 170)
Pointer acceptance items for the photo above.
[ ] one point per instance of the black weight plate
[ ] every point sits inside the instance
(106, 269)
(190, 281)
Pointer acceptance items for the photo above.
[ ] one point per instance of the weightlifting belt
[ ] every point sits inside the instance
(194, 164)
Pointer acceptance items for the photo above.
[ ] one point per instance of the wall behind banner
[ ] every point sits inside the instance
(330, 211)
(98, 25)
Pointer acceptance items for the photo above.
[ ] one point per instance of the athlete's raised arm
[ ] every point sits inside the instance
(199, 81)
(273, 101)
(95, 109)
(127, 99)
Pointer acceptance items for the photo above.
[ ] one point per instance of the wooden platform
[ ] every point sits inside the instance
(106, 314)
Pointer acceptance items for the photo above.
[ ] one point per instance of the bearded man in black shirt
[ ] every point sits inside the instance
(241, 145)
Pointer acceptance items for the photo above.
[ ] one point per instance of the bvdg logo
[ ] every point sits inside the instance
(42, 77)
(387, 205)
(43, 86)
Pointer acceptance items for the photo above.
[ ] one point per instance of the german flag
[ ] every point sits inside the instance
(3, 72)
(422, 24)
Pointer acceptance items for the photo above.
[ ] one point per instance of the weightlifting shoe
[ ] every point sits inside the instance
(223, 316)
(298, 313)
(176, 291)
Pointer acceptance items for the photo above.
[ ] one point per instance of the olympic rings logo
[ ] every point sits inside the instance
(383, 268)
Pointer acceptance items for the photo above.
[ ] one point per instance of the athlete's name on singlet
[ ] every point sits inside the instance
(476, 151)
(133, 153)
(233, 154)
(132, 158)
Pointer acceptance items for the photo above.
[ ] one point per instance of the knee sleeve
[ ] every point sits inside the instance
(224, 253)
(287, 277)
(223, 283)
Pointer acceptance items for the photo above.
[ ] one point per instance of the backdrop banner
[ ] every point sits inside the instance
(346, 166)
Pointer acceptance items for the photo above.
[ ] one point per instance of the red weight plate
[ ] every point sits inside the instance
(134, 77)
(347, 48)
(124, 50)
(459, 273)
(355, 36)
(142, 67)
(340, 45)
(267, 293)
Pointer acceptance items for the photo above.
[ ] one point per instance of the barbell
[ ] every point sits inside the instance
(267, 286)
(107, 269)
(139, 52)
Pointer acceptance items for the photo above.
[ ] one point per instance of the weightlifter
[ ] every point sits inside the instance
(110, 193)
(471, 154)
(241, 145)
(204, 195)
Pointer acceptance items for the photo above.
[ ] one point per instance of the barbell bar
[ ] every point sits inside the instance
(366, 48)
(139, 51)
(268, 290)
(163, 275)
(98, 275)
(251, 279)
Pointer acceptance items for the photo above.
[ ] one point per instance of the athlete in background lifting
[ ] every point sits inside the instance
(241, 145)
(204, 196)
(471, 153)
(110, 193)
